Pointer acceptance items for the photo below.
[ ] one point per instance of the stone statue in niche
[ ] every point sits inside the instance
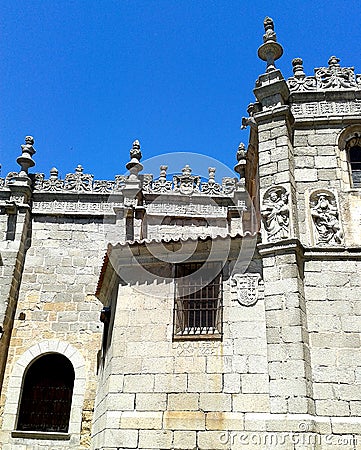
(275, 214)
(325, 216)
(246, 288)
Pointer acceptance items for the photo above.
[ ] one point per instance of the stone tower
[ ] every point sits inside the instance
(178, 312)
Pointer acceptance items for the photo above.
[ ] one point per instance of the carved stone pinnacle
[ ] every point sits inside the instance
(26, 161)
(298, 71)
(134, 166)
(135, 151)
(270, 50)
(241, 152)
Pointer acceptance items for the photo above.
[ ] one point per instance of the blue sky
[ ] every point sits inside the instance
(87, 77)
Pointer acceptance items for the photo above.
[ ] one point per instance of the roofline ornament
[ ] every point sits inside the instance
(270, 50)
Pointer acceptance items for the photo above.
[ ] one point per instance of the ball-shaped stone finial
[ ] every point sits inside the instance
(297, 66)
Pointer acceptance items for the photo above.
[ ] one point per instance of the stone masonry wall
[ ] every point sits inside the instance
(157, 393)
(334, 324)
(56, 301)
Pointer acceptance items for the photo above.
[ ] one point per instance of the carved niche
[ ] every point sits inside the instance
(325, 218)
(275, 213)
(246, 288)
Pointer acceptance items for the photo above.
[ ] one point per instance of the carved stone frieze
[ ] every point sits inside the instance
(63, 207)
(326, 108)
(325, 217)
(246, 288)
(275, 213)
(186, 209)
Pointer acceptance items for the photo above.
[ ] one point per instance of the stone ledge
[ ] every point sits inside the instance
(49, 435)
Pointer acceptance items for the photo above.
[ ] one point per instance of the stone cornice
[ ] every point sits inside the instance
(321, 252)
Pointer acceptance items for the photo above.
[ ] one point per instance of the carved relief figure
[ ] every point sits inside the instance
(324, 213)
(275, 214)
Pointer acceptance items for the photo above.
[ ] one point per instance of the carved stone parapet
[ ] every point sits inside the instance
(77, 182)
(333, 77)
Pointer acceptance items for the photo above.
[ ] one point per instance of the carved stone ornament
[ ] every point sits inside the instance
(332, 77)
(76, 182)
(275, 214)
(186, 183)
(325, 217)
(246, 287)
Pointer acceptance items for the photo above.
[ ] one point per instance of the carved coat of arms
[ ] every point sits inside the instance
(246, 288)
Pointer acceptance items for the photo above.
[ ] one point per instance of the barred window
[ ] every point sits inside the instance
(47, 394)
(198, 301)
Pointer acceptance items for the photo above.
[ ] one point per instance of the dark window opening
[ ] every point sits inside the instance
(198, 302)
(355, 163)
(11, 227)
(47, 394)
(105, 315)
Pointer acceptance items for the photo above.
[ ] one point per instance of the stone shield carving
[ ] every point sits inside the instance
(246, 288)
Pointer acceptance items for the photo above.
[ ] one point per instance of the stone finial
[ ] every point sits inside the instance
(334, 62)
(269, 28)
(298, 71)
(241, 152)
(270, 50)
(135, 151)
(241, 160)
(54, 173)
(79, 168)
(26, 161)
(134, 166)
(211, 175)
(186, 170)
(163, 173)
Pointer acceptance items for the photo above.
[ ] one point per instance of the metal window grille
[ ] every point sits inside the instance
(198, 302)
(47, 395)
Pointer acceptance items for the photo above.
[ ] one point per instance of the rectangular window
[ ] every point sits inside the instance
(198, 301)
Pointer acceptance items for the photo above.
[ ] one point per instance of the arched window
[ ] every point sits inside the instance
(47, 393)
